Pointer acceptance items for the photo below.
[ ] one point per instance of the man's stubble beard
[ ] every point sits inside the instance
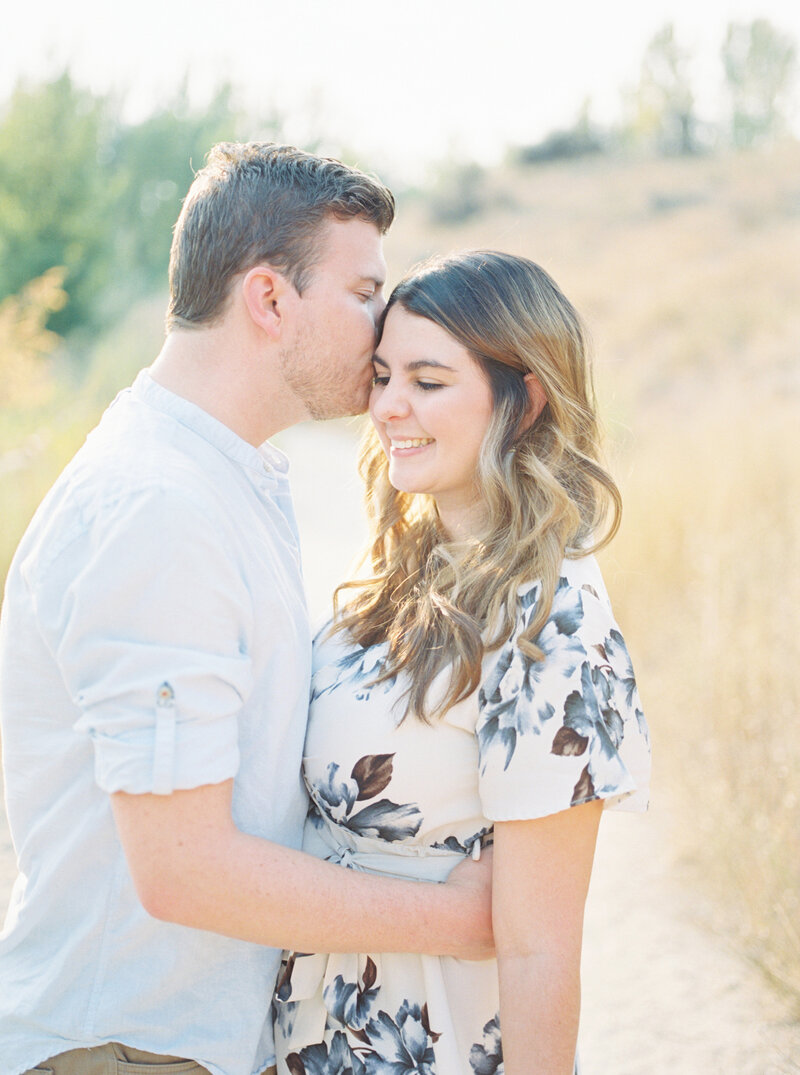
(316, 385)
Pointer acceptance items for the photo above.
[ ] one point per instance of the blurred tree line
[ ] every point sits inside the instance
(659, 115)
(83, 191)
(758, 68)
(96, 197)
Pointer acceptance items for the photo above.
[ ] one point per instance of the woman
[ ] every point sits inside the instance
(474, 686)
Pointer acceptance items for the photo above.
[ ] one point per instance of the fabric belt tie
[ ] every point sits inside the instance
(362, 971)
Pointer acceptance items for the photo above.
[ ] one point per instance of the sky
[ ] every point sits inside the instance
(401, 85)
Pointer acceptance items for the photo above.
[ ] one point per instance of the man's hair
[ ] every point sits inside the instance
(257, 202)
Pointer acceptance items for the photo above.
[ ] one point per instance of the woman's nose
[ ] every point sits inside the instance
(389, 401)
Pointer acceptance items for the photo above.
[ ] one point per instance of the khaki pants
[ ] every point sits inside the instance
(115, 1059)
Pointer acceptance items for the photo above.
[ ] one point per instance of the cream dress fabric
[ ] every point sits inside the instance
(411, 800)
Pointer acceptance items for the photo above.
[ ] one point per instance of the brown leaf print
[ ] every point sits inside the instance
(372, 774)
(426, 1022)
(584, 789)
(568, 742)
(370, 974)
(295, 1064)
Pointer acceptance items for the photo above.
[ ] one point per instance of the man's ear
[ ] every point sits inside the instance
(265, 292)
(537, 400)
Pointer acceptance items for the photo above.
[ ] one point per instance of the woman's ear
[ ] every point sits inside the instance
(537, 400)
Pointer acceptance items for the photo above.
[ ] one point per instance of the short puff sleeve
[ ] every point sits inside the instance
(567, 729)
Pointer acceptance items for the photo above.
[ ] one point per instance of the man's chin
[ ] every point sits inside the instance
(341, 408)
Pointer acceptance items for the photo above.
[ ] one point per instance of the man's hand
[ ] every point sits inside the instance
(474, 879)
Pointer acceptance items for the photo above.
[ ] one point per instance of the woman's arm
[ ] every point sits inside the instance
(541, 877)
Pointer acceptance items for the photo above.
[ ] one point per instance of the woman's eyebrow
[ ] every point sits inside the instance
(417, 364)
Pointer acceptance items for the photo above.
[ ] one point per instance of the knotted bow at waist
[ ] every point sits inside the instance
(349, 981)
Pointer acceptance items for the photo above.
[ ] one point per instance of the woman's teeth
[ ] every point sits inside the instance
(417, 442)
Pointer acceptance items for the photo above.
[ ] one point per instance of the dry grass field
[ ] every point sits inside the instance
(687, 271)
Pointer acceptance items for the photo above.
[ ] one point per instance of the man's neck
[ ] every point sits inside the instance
(210, 368)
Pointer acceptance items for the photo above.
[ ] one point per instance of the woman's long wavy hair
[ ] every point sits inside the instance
(440, 603)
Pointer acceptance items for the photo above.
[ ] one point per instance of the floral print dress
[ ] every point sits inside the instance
(411, 800)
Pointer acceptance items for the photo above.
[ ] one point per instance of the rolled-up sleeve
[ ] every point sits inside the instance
(150, 621)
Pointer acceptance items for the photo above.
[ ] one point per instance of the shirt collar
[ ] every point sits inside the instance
(265, 457)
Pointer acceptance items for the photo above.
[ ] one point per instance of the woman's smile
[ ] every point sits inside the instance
(410, 445)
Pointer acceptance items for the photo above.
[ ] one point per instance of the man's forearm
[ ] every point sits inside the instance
(196, 868)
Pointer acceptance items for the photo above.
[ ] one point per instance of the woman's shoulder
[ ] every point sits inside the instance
(579, 581)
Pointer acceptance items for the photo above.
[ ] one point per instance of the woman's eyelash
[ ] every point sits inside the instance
(382, 379)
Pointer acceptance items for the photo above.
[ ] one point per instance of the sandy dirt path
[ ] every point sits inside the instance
(662, 994)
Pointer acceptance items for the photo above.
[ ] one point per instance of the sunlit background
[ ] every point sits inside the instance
(400, 85)
(647, 155)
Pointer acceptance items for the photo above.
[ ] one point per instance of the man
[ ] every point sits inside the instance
(155, 660)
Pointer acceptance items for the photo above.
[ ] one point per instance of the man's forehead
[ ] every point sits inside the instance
(359, 242)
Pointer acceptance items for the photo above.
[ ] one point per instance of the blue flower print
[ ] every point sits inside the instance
(350, 1003)
(335, 797)
(402, 1046)
(621, 677)
(386, 820)
(360, 666)
(589, 713)
(319, 1060)
(592, 721)
(284, 1015)
(465, 846)
(511, 701)
(487, 1059)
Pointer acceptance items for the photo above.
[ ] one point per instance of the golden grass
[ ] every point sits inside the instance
(36, 441)
(687, 273)
(705, 578)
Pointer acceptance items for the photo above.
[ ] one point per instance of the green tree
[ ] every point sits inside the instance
(56, 193)
(156, 160)
(760, 64)
(82, 190)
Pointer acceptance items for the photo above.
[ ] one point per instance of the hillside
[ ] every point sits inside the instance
(687, 273)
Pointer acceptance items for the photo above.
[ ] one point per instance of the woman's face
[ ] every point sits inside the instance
(431, 405)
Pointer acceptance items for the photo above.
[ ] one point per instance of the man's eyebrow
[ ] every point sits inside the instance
(417, 364)
(368, 278)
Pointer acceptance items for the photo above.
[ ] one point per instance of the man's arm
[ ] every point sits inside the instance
(192, 865)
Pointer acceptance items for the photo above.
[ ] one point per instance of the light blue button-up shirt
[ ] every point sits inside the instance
(153, 637)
